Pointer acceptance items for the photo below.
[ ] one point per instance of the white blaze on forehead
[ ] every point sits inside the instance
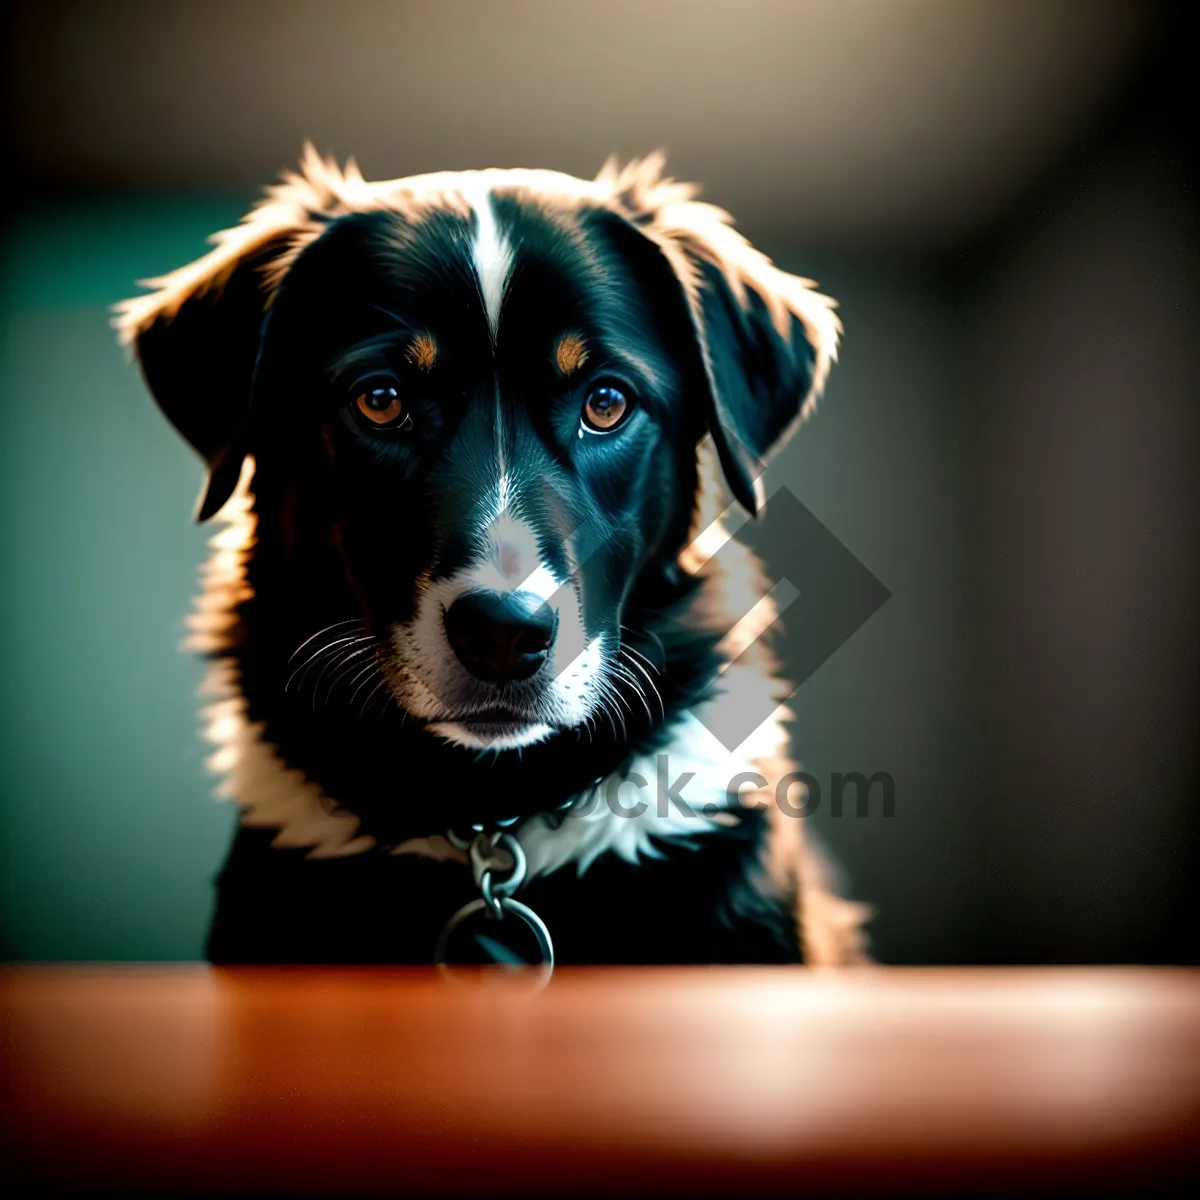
(504, 490)
(491, 253)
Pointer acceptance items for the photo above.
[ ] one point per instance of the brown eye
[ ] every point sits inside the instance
(381, 406)
(605, 408)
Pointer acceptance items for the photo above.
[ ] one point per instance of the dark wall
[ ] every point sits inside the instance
(1010, 444)
(1083, 366)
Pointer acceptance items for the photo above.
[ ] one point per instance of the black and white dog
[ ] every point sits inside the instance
(466, 431)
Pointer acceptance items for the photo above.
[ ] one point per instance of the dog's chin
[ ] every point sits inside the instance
(492, 734)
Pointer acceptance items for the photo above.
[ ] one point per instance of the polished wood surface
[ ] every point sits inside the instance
(726, 1080)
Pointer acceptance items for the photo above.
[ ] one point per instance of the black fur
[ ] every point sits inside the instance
(349, 522)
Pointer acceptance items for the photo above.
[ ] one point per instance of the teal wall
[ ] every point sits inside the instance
(109, 830)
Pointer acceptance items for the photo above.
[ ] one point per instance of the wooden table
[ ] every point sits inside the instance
(701, 1079)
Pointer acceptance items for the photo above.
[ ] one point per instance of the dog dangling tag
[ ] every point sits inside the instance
(494, 929)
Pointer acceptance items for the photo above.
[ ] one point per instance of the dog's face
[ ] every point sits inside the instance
(498, 405)
(493, 392)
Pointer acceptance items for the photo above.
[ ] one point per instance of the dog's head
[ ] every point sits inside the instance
(490, 388)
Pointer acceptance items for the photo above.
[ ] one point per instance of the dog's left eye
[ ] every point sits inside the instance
(383, 407)
(604, 409)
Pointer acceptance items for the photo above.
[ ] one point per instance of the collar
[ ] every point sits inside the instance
(498, 867)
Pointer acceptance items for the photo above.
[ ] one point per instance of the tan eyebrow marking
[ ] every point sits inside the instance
(571, 353)
(423, 352)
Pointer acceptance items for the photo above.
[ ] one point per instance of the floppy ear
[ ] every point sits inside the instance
(762, 377)
(196, 335)
(197, 347)
(766, 339)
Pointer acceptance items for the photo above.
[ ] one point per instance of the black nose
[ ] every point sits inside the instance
(500, 636)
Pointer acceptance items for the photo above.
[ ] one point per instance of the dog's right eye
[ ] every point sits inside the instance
(383, 408)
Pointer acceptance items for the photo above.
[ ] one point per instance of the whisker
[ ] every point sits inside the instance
(633, 683)
(653, 637)
(382, 683)
(627, 649)
(317, 655)
(336, 658)
(337, 662)
(365, 676)
(327, 629)
(649, 681)
(608, 691)
(609, 718)
(619, 696)
(346, 664)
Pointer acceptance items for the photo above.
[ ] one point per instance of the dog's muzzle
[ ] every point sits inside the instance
(501, 636)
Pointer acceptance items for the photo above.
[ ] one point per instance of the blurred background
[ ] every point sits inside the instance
(1001, 195)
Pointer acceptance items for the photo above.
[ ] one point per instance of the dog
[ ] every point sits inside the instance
(468, 434)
